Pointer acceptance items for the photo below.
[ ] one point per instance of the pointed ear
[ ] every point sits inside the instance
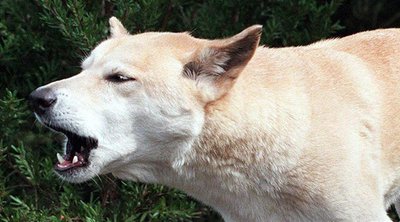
(116, 28)
(216, 66)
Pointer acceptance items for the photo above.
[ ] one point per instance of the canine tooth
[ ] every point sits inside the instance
(60, 158)
(75, 159)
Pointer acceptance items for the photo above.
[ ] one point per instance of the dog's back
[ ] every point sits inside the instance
(380, 50)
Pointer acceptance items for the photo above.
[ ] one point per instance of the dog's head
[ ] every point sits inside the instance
(139, 97)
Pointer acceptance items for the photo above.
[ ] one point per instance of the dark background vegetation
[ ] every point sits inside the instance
(45, 40)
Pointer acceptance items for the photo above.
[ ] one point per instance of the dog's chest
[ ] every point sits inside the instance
(240, 197)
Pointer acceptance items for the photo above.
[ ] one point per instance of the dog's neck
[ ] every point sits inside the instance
(233, 158)
(233, 137)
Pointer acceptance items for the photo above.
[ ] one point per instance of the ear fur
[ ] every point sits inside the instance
(116, 28)
(216, 66)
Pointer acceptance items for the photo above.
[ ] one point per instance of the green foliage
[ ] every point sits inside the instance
(45, 40)
(286, 22)
(359, 15)
(13, 112)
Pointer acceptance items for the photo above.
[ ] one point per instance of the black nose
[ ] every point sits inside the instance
(42, 99)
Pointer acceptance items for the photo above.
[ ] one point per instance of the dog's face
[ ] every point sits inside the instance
(139, 98)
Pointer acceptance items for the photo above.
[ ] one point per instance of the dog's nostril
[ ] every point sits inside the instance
(46, 102)
(41, 99)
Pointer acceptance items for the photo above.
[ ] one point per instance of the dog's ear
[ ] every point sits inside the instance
(116, 28)
(216, 66)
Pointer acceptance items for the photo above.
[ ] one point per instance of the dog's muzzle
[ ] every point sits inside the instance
(78, 146)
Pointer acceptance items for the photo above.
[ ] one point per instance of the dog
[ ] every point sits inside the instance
(306, 133)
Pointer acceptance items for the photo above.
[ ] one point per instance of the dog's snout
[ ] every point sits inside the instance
(42, 99)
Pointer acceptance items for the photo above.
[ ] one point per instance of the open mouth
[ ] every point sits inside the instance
(77, 151)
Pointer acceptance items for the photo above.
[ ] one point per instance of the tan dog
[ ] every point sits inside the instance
(291, 134)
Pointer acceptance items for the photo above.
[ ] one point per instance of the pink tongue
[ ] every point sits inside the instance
(67, 164)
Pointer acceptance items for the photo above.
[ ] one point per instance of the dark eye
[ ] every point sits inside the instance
(119, 78)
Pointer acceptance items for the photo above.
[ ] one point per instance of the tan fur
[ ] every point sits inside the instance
(305, 133)
(317, 123)
(342, 98)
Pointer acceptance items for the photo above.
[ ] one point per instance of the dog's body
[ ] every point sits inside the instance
(292, 134)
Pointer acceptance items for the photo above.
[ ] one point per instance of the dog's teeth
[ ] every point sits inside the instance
(60, 158)
(75, 159)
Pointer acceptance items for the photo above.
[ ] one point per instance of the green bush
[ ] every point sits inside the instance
(45, 40)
